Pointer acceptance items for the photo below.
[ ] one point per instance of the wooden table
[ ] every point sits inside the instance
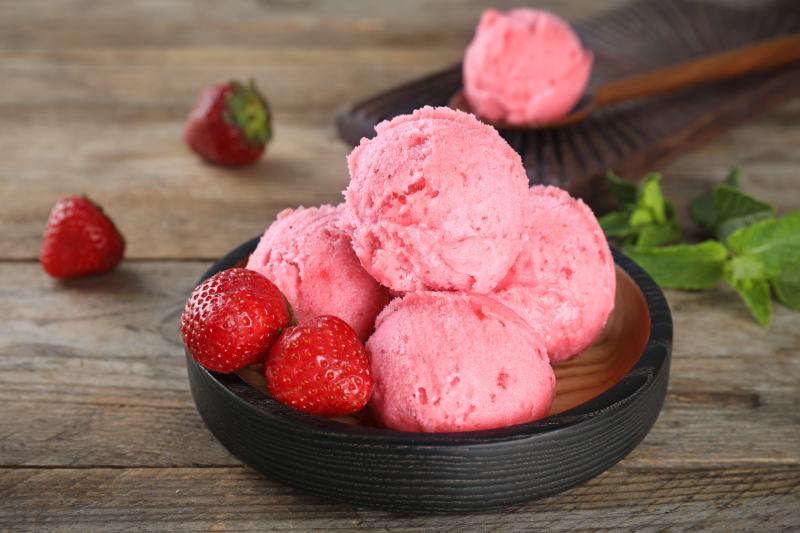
(97, 427)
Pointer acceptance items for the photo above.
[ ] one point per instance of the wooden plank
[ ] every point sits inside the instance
(224, 499)
(92, 373)
(244, 24)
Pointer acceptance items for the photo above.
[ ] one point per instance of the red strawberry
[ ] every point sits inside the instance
(80, 240)
(321, 368)
(231, 319)
(229, 124)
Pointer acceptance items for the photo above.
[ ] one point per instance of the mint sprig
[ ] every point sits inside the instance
(645, 218)
(786, 287)
(683, 266)
(727, 208)
(754, 252)
(775, 242)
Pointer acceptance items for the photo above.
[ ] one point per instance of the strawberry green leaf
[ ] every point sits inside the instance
(624, 192)
(683, 266)
(248, 110)
(787, 287)
(775, 242)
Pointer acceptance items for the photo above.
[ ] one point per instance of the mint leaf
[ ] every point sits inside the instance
(647, 218)
(650, 236)
(727, 228)
(748, 276)
(641, 217)
(649, 199)
(683, 266)
(616, 224)
(787, 287)
(624, 192)
(745, 267)
(732, 202)
(755, 293)
(734, 178)
(775, 242)
(703, 210)
(734, 208)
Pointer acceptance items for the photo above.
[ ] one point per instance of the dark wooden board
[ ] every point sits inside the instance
(724, 499)
(634, 137)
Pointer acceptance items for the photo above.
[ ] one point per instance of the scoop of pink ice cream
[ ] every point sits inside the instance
(310, 259)
(564, 280)
(524, 66)
(435, 202)
(456, 362)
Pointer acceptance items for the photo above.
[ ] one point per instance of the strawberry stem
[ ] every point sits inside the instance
(246, 109)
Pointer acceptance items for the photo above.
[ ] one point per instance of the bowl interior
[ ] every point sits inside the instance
(584, 377)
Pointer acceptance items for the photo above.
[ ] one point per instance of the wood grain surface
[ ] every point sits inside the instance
(98, 431)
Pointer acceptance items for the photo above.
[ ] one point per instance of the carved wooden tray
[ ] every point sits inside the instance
(634, 137)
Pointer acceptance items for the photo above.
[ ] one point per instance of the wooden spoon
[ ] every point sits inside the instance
(759, 57)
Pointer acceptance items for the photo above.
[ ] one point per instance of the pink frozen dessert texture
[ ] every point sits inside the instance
(456, 362)
(435, 202)
(564, 280)
(524, 66)
(310, 259)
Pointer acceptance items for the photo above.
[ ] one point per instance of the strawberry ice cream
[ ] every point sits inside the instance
(311, 261)
(564, 281)
(524, 66)
(435, 202)
(456, 362)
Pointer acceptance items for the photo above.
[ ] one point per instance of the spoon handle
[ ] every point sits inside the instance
(762, 56)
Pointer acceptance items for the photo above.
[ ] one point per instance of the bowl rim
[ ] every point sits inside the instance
(652, 361)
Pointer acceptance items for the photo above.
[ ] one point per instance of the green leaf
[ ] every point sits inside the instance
(727, 228)
(615, 224)
(683, 266)
(734, 178)
(651, 199)
(787, 287)
(755, 293)
(246, 109)
(748, 276)
(623, 191)
(641, 217)
(651, 236)
(734, 208)
(775, 242)
(703, 208)
(745, 267)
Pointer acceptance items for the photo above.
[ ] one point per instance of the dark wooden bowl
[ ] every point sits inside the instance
(607, 400)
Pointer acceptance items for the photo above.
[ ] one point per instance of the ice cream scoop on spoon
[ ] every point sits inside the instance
(758, 57)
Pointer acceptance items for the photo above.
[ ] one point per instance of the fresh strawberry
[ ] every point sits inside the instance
(229, 125)
(80, 240)
(232, 318)
(321, 368)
